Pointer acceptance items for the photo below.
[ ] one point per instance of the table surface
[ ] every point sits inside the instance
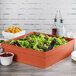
(65, 67)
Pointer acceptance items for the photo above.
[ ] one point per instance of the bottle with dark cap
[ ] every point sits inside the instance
(62, 28)
(54, 28)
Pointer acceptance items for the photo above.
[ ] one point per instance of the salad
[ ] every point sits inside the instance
(2, 41)
(38, 41)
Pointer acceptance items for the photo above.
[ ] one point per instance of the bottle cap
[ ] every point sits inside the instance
(61, 20)
(55, 20)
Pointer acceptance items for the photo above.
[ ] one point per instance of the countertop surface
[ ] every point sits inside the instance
(65, 67)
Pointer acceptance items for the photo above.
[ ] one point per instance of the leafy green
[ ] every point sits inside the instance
(38, 41)
(2, 41)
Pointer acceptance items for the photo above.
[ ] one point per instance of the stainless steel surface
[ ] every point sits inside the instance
(65, 67)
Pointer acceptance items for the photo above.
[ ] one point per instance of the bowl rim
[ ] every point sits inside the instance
(7, 56)
(12, 33)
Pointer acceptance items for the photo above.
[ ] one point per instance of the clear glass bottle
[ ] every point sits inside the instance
(62, 28)
(54, 28)
(58, 27)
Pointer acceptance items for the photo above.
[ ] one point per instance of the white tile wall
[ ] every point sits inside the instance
(36, 15)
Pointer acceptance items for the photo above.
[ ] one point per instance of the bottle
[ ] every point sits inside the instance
(62, 28)
(58, 27)
(54, 28)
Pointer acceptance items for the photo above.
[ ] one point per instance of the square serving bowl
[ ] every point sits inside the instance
(39, 58)
(8, 35)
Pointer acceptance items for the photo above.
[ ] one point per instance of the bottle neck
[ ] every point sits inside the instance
(61, 22)
(55, 21)
(55, 24)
